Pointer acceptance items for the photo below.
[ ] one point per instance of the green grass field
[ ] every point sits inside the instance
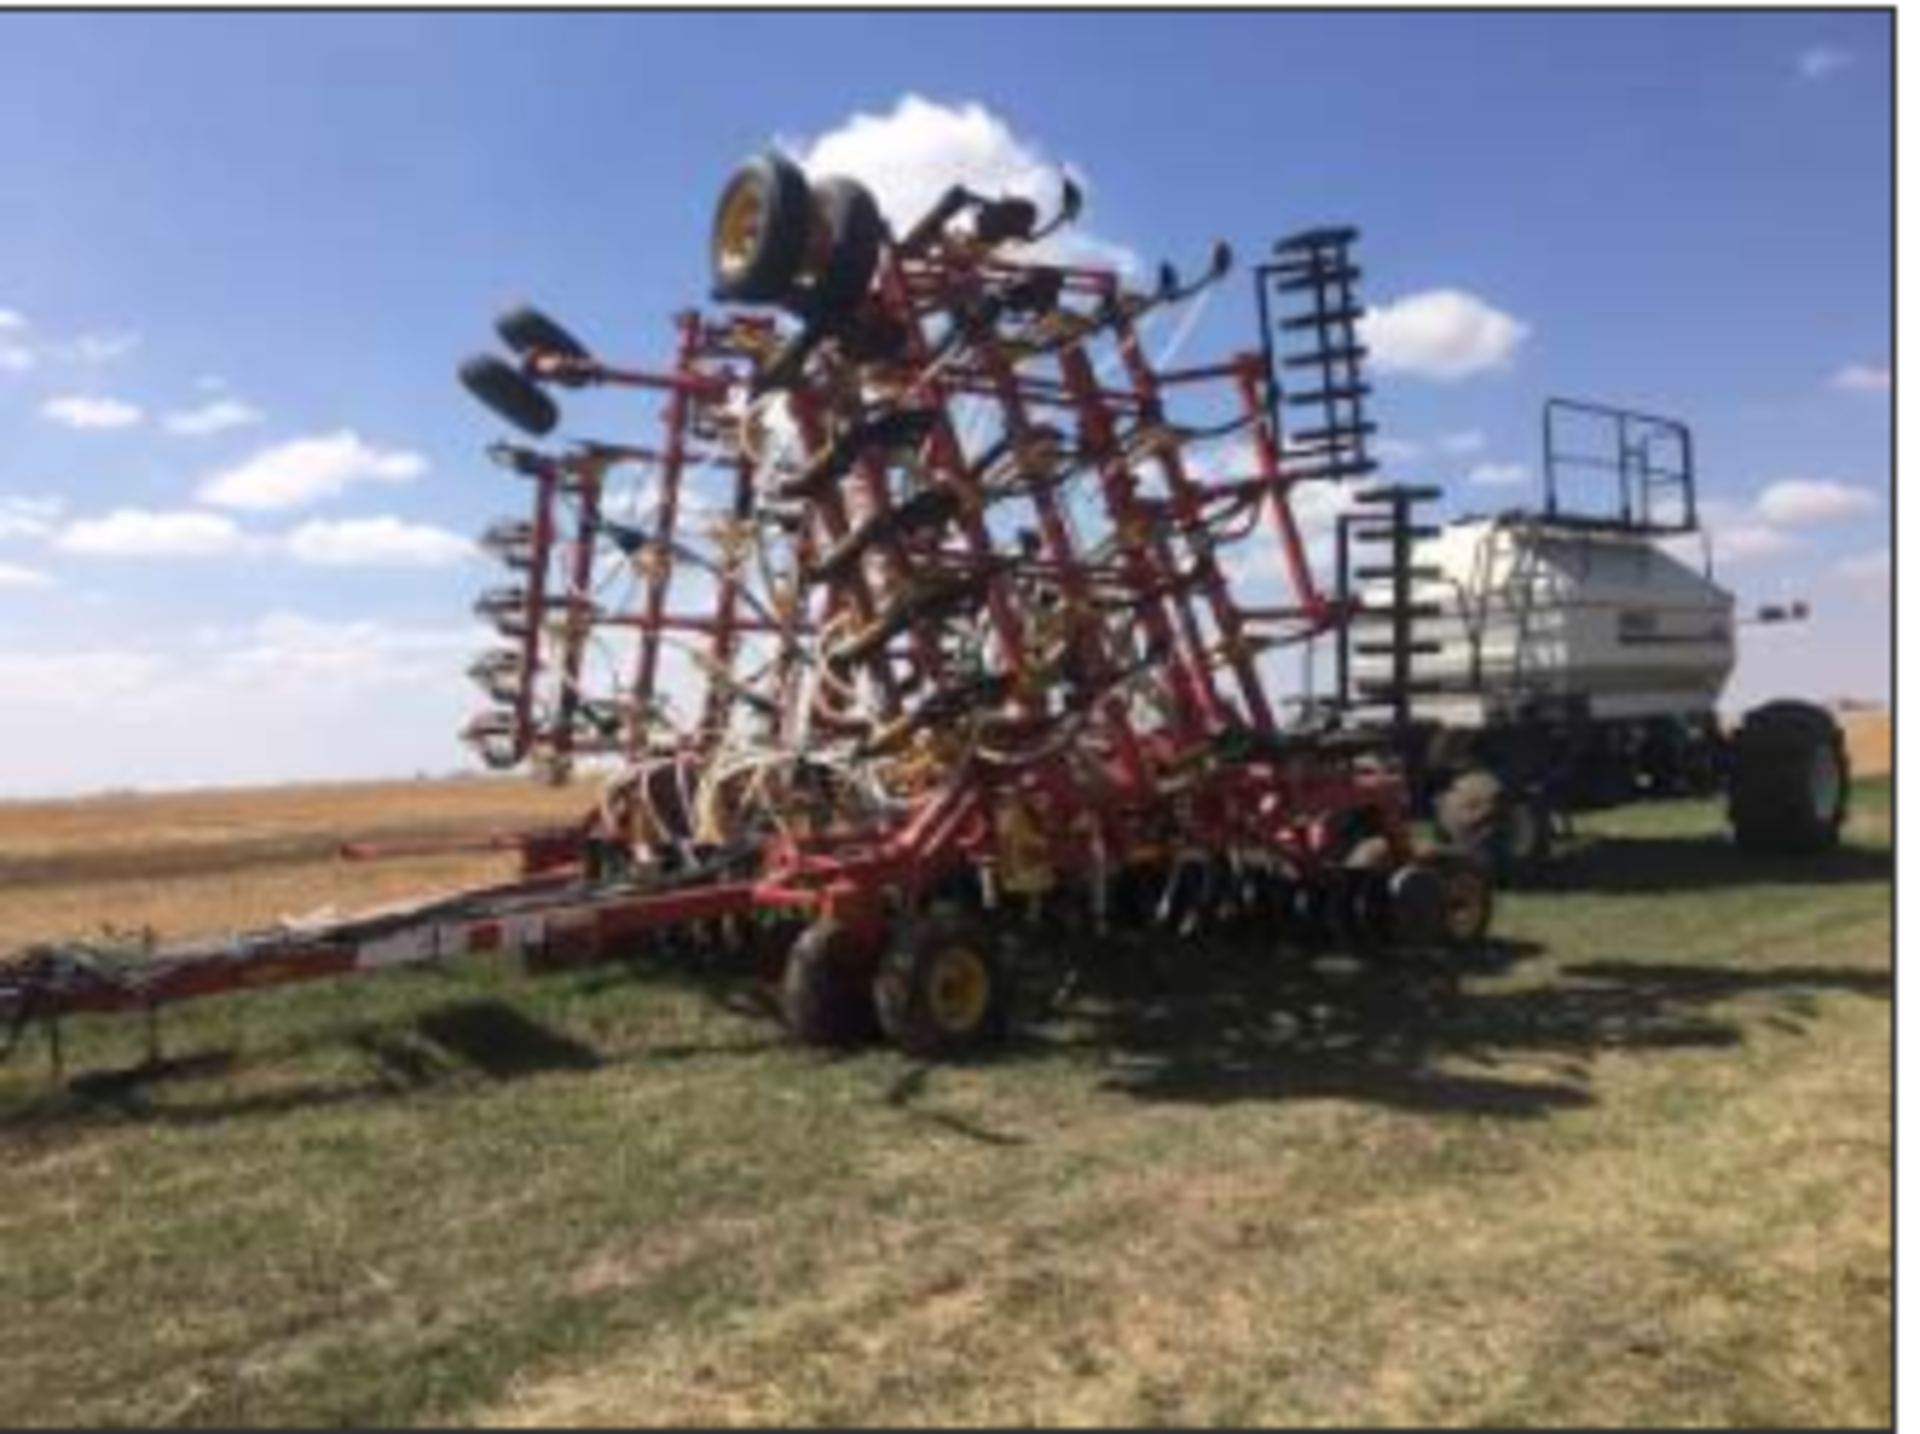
(1639, 1173)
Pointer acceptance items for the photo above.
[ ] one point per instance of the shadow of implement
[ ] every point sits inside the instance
(1426, 1040)
(1673, 865)
(442, 1049)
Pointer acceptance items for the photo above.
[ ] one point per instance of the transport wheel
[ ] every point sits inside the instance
(761, 229)
(510, 394)
(526, 330)
(826, 992)
(942, 990)
(1466, 899)
(851, 216)
(1790, 782)
(1417, 899)
(1363, 910)
(1512, 832)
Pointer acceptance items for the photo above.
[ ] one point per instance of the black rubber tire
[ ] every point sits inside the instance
(1363, 914)
(826, 994)
(526, 330)
(916, 1014)
(1012, 220)
(852, 218)
(761, 229)
(1790, 783)
(510, 394)
(1417, 907)
(1511, 832)
(1467, 898)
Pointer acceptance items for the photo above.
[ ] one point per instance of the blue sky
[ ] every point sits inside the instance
(254, 247)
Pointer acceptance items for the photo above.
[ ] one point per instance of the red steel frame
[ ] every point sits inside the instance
(1150, 616)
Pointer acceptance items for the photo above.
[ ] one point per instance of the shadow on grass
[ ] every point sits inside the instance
(444, 1047)
(1672, 865)
(1177, 1023)
(1425, 1040)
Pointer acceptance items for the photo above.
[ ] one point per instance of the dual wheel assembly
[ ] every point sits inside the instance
(940, 989)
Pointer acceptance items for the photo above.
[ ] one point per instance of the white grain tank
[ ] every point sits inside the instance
(1540, 616)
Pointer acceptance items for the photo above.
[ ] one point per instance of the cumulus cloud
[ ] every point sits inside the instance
(1798, 502)
(1862, 378)
(1749, 542)
(141, 533)
(1822, 62)
(910, 156)
(1461, 444)
(260, 702)
(15, 578)
(220, 415)
(305, 471)
(376, 542)
(89, 413)
(23, 350)
(29, 517)
(98, 349)
(16, 355)
(1498, 475)
(1442, 334)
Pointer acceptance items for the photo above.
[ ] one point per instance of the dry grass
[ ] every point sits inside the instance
(192, 862)
(1869, 742)
(1639, 1173)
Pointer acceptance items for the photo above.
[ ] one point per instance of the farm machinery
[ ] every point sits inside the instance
(1570, 657)
(932, 611)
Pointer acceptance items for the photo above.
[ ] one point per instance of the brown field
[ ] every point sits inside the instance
(1869, 742)
(188, 862)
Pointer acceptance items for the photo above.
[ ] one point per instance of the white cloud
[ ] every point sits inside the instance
(1862, 378)
(99, 349)
(1498, 475)
(263, 702)
(1442, 334)
(1750, 542)
(29, 517)
(376, 542)
(91, 412)
(1793, 502)
(1821, 62)
(910, 157)
(139, 533)
(1461, 444)
(14, 578)
(16, 356)
(1870, 569)
(309, 470)
(1398, 450)
(220, 415)
(21, 352)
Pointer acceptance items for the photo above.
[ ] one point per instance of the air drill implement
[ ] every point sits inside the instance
(931, 605)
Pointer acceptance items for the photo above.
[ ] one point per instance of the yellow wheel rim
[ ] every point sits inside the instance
(958, 989)
(743, 219)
